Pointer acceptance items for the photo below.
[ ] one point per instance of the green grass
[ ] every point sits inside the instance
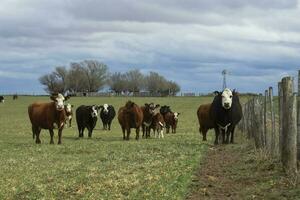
(103, 167)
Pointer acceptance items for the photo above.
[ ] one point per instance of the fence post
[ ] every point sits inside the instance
(265, 134)
(298, 119)
(257, 120)
(273, 150)
(280, 96)
(289, 127)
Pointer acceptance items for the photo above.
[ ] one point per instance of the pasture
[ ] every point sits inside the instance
(105, 166)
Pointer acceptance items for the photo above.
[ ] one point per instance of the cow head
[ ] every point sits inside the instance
(165, 109)
(68, 108)
(94, 110)
(176, 114)
(152, 109)
(227, 98)
(105, 108)
(59, 101)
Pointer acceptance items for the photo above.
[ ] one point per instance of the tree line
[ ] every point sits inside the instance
(90, 76)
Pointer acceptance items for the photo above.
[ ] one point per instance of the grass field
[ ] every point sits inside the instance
(104, 167)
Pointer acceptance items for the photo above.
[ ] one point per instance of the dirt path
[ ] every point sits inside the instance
(238, 172)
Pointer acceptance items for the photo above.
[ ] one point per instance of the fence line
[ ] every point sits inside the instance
(278, 135)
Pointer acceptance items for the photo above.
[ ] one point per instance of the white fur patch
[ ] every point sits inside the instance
(227, 98)
(105, 108)
(94, 111)
(176, 115)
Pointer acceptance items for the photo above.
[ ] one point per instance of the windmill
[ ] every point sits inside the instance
(224, 73)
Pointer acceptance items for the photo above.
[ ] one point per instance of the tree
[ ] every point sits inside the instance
(117, 82)
(76, 79)
(134, 81)
(52, 83)
(96, 74)
(155, 83)
(173, 87)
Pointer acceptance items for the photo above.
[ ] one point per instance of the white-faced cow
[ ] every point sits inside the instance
(69, 113)
(86, 117)
(107, 114)
(171, 119)
(226, 112)
(48, 116)
(1, 99)
(158, 124)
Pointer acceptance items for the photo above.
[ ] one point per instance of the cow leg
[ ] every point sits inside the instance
(232, 135)
(137, 130)
(36, 132)
(90, 131)
(143, 129)
(70, 122)
(104, 127)
(123, 130)
(128, 133)
(59, 135)
(167, 128)
(204, 132)
(227, 136)
(51, 136)
(217, 136)
(109, 124)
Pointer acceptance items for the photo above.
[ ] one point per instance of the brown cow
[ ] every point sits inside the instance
(130, 116)
(46, 116)
(204, 119)
(171, 119)
(149, 110)
(158, 124)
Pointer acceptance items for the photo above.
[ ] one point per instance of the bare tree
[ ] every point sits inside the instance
(76, 79)
(117, 82)
(52, 83)
(134, 81)
(155, 83)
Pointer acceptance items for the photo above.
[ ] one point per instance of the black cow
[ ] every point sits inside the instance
(164, 110)
(86, 117)
(1, 99)
(107, 114)
(225, 112)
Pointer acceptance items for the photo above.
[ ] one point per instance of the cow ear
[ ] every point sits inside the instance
(157, 106)
(146, 104)
(178, 113)
(67, 97)
(72, 106)
(216, 93)
(53, 96)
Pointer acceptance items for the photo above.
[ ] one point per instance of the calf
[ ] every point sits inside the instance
(15, 97)
(1, 99)
(69, 113)
(86, 117)
(204, 119)
(46, 116)
(130, 116)
(164, 110)
(107, 114)
(149, 110)
(226, 112)
(171, 119)
(158, 124)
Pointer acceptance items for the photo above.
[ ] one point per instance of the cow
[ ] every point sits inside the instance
(47, 116)
(158, 124)
(204, 119)
(1, 99)
(164, 110)
(69, 113)
(130, 116)
(171, 119)
(225, 112)
(15, 97)
(107, 114)
(86, 117)
(149, 110)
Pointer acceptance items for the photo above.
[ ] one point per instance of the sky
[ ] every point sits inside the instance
(187, 41)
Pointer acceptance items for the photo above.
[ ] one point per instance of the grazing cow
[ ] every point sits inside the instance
(204, 119)
(107, 114)
(171, 119)
(158, 124)
(1, 99)
(69, 113)
(15, 97)
(86, 117)
(226, 112)
(130, 116)
(149, 110)
(46, 116)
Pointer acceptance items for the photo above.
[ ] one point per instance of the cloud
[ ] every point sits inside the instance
(189, 41)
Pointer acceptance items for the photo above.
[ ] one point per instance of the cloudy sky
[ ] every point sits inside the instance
(188, 41)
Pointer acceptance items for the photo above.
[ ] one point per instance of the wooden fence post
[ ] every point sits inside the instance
(257, 120)
(280, 96)
(265, 134)
(298, 119)
(289, 127)
(272, 146)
